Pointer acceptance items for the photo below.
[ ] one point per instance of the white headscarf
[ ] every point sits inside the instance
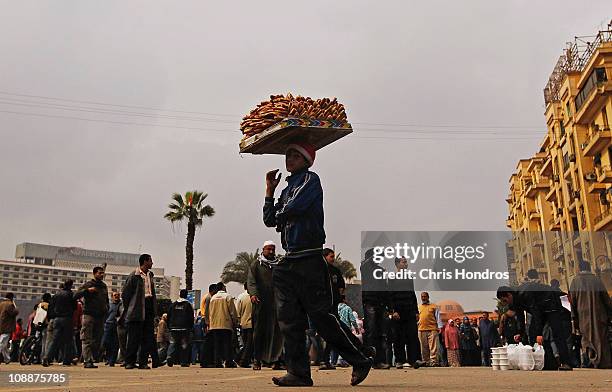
(268, 243)
(262, 260)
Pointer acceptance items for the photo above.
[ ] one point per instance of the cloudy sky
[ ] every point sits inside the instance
(445, 97)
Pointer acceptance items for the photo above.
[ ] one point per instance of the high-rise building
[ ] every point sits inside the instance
(39, 269)
(559, 201)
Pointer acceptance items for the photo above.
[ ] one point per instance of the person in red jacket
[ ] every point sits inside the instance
(16, 337)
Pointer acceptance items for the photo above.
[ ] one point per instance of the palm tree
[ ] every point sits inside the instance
(237, 270)
(346, 267)
(190, 208)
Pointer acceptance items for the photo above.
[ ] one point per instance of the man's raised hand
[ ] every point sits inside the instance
(272, 181)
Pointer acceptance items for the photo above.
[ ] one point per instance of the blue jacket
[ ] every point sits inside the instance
(298, 214)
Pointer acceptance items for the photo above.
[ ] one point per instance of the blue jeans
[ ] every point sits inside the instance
(179, 350)
(110, 342)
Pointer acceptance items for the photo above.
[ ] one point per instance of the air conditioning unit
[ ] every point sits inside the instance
(590, 177)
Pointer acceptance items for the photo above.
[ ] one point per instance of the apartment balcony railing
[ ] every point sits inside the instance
(604, 173)
(597, 140)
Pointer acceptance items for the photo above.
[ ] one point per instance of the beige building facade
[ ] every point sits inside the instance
(560, 199)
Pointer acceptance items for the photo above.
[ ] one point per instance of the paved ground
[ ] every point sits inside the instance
(229, 380)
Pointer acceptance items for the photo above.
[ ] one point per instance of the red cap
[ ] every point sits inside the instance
(306, 149)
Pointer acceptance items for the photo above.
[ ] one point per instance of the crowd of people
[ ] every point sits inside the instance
(293, 312)
(91, 326)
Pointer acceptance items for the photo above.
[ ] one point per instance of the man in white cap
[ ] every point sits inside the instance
(301, 280)
(267, 338)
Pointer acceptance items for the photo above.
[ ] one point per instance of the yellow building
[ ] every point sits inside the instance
(559, 201)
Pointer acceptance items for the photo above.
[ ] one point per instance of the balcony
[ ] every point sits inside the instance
(546, 167)
(534, 215)
(603, 221)
(552, 194)
(554, 224)
(542, 185)
(604, 174)
(598, 140)
(592, 95)
(596, 187)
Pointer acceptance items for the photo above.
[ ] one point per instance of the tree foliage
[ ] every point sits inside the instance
(237, 270)
(192, 210)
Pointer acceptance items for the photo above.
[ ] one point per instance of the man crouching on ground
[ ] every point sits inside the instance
(301, 281)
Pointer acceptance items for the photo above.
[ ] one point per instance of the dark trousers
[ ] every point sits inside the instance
(110, 342)
(373, 318)
(62, 340)
(180, 347)
(207, 354)
(406, 346)
(559, 334)
(303, 290)
(222, 346)
(141, 338)
(246, 354)
(15, 345)
(122, 340)
(486, 356)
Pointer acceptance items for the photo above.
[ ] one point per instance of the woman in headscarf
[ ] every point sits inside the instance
(451, 339)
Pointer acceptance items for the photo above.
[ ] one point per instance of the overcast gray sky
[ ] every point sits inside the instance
(448, 69)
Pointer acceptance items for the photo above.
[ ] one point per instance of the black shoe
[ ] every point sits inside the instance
(327, 366)
(418, 363)
(230, 364)
(144, 367)
(381, 365)
(184, 365)
(111, 365)
(256, 365)
(289, 380)
(130, 366)
(369, 351)
(90, 365)
(565, 367)
(45, 363)
(277, 366)
(170, 364)
(158, 364)
(360, 373)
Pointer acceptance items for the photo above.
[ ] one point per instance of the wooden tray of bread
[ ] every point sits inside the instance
(276, 138)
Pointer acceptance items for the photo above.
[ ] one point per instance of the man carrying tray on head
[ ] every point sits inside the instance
(301, 280)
